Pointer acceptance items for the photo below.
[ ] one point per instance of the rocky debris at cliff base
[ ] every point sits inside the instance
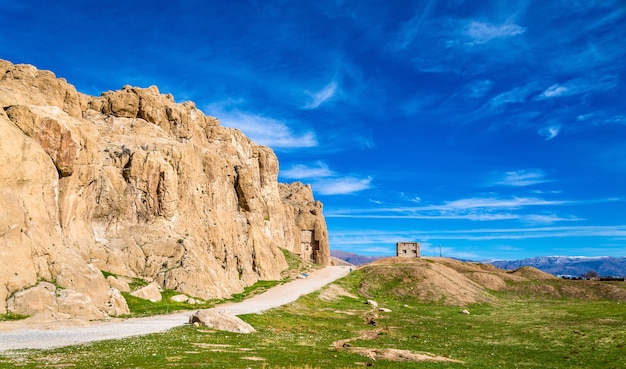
(151, 292)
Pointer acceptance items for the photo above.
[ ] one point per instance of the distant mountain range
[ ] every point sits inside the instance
(566, 265)
(556, 265)
(353, 258)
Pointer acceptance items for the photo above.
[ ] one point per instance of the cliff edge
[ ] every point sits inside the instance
(134, 184)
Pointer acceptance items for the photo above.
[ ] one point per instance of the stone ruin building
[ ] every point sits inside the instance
(408, 249)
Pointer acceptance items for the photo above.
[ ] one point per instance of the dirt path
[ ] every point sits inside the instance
(14, 335)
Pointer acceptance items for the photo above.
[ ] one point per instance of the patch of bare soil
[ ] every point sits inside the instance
(590, 290)
(364, 335)
(427, 280)
(533, 274)
(334, 292)
(490, 281)
(543, 290)
(492, 276)
(572, 289)
(390, 354)
(612, 291)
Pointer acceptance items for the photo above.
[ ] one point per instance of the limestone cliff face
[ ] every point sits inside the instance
(134, 184)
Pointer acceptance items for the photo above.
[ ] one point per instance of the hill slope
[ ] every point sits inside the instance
(457, 283)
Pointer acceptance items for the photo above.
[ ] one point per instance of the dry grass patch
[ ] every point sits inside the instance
(533, 274)
(390, 354)
(253, 358)
(334, 292)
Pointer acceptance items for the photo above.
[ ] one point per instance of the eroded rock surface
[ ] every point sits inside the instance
(135, 184)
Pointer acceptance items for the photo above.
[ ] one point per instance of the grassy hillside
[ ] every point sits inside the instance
(521, 319)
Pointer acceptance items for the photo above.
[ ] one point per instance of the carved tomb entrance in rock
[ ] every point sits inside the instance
(309, 245)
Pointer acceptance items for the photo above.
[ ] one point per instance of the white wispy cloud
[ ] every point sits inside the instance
(300, 171)
(480, 32)
(411, 29)
(373, 237)
(601, 118)
(555, 90)
(480, 88)
(519, 178)
(473, 209)
(578, 86)
(585, 117)
(341, 185)
(483, 209)
(549, 132)
(325, 181)
(548, 219)
(518, 94)
(495, 203)
(318, 98)
(616, 119)
(263, 130)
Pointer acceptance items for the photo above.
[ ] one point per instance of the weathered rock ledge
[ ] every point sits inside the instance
(135, 184)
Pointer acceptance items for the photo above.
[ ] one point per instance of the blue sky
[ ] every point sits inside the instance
(491, 129)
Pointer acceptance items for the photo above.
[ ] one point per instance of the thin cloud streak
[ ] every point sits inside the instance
(520, 178)
(412, 28)
(550, 132)
(364, 237)
(301, 171)
(341, 186)
(578, 86)
(325, 181)
(473, 209)
(322, 96)
(473, 203)
(481, 32)
(463, 204)
(265, 130)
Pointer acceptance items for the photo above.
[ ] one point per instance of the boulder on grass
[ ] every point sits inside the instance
(179, 298)
(150, 292)
(221, 320)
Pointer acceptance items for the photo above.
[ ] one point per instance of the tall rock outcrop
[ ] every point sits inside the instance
(135, 184)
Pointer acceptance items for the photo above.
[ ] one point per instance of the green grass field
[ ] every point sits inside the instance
(515, 331)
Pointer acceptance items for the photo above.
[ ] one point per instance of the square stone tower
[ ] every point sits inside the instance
(408, 249)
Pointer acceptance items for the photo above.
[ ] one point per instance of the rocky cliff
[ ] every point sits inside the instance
(135, 184)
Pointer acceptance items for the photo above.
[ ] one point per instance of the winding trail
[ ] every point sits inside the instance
(13, 336)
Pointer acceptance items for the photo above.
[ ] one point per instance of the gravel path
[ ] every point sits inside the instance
(12, 336)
